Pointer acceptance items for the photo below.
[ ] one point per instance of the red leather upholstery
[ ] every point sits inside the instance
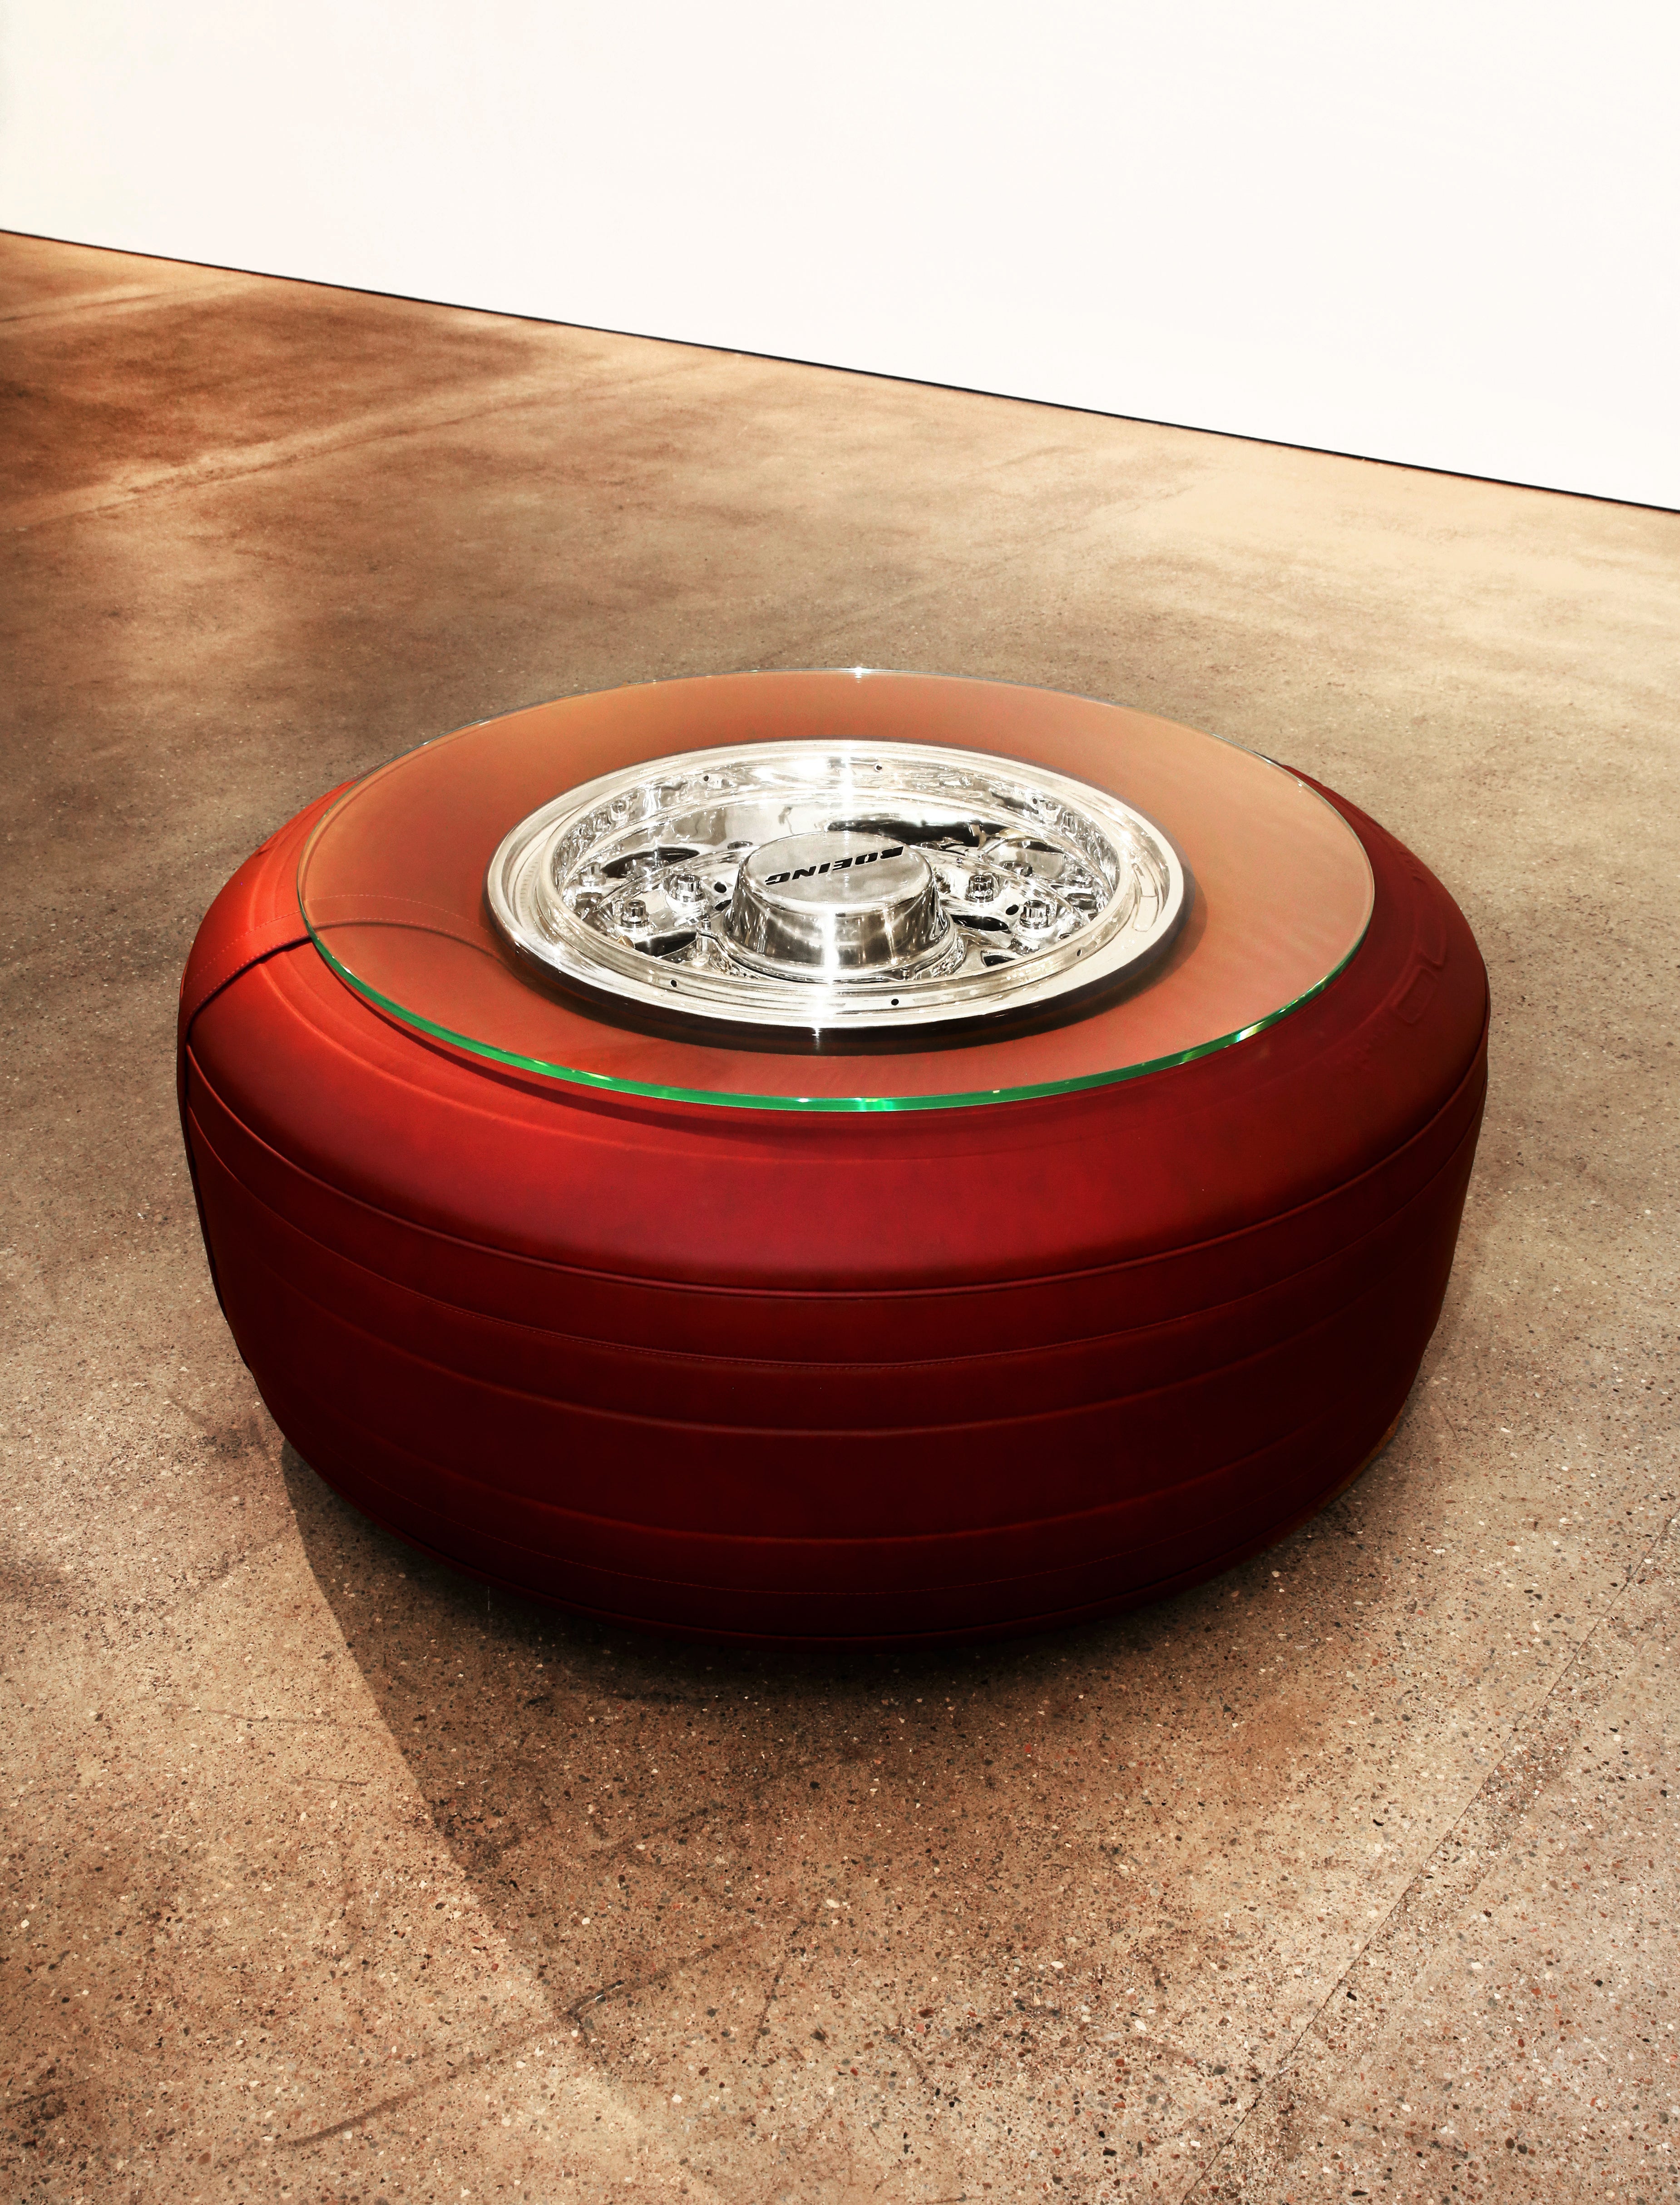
(833, 1378)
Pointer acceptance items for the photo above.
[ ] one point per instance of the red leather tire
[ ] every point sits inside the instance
(863, 1378)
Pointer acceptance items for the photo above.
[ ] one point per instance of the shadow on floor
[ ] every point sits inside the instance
(948, 1872)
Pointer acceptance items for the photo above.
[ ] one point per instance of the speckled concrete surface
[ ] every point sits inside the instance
(327, 1877)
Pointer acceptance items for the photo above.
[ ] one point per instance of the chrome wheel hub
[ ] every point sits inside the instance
(837, 885)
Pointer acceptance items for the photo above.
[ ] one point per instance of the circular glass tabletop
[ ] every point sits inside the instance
(485, 890)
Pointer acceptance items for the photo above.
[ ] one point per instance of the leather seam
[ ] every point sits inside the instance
(699, 1359)
(813, 1542)
(1085, 1273)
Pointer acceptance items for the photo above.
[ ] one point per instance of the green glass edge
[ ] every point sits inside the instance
(975, 1100)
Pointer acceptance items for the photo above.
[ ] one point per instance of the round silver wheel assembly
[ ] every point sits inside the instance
(816, 886)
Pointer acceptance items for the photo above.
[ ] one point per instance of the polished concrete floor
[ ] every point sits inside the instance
(328, 1876)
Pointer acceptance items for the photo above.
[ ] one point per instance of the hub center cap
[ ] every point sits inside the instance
(815, 906)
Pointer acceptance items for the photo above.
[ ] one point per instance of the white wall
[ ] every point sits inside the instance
(1441, 233)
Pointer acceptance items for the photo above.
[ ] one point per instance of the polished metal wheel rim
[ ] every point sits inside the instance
(821, 887)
